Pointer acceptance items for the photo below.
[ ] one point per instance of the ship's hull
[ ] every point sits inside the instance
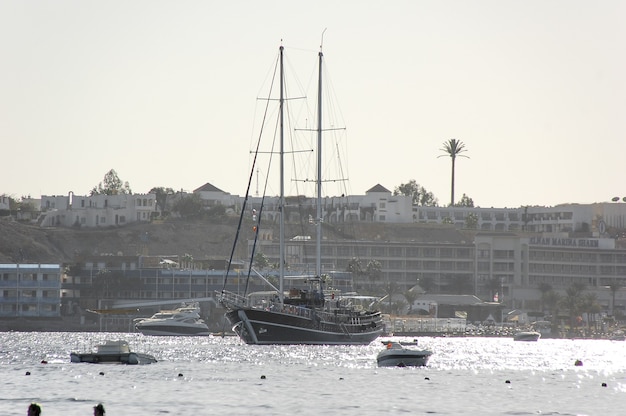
(167, 329)
(258, 326)
(121, 358)
(403, 358)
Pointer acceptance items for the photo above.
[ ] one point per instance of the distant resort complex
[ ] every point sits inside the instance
(462, 261)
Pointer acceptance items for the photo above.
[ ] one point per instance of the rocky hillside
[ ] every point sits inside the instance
(31, 244)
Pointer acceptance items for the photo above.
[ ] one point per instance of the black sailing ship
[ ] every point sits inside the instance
(310, 316)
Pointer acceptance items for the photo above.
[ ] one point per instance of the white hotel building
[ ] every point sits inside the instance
(96, 210)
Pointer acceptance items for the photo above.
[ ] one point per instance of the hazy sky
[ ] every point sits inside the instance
(164, 92)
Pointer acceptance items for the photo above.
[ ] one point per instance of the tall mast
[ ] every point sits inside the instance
(318, 222)
(282, 182)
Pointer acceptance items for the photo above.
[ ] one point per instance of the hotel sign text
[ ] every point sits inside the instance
(564, 242)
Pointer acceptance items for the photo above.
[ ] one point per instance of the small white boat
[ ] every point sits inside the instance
(112, 352)
(396, 355)
(182, 321)
(527, 336)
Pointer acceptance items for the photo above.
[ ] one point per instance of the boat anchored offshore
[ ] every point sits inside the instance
(396, 355)
(112, 352)
(302, 316)
(526, 336)
(182, 321)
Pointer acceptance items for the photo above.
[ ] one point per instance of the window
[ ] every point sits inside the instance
(412, 252)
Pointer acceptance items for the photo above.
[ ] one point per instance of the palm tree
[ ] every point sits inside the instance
(410, 296)
(552, 301)
(544, 288)
(453, 148)
(614, 286)
(374, 271)
(591, 306)
(356, 268)
(573, 301)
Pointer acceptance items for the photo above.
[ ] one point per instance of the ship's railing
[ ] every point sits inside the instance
(230, 299)
(354, 315)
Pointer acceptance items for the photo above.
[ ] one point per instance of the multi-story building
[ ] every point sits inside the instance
(511, 267)
(522, 264)
(30, 290)
(96, 210)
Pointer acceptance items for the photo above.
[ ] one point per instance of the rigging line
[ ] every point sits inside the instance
(258, 226)
(250, 180)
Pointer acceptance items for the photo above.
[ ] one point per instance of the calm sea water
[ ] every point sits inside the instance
(205, 376)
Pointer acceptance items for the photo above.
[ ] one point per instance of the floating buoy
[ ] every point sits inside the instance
(262, 377)
(508, 382)
(426, 378)
(101, 373)
(603, 384)
(180, 374)
(28, 373)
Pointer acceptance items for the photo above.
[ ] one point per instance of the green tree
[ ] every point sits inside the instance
(591, 307)
(614, 286)
(374, 271)
(544, 288)
(419, 195)
(453, 148)
(390, 289)
(427, 283)
(161, 194)
(189, 206)
(216, 212)
(410, 296)
(465, 201)
(471, 221)
(261, 261)
(187, 261)
(111, 185)
(573, 301)
(552, 302)
(356, 268)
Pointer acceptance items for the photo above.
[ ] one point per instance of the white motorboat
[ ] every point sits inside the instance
(112, 352)
(182, 321)
(527, 336)
(396, 355)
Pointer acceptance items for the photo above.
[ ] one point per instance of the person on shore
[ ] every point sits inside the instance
(98, 410)
(34, 410)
